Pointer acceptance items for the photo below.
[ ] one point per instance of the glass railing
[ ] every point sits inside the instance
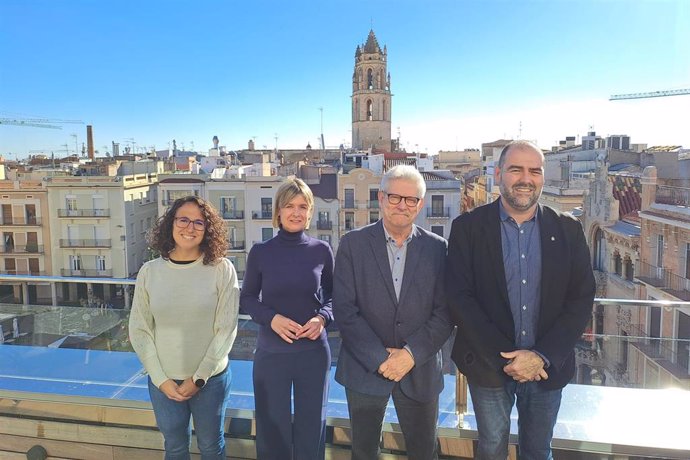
(626, 362)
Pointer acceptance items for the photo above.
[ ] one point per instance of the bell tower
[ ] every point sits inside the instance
(371, 97)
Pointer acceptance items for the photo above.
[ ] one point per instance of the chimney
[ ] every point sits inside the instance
(89, 141)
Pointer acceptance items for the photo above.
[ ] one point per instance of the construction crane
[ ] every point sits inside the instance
(663, 93)
(50, 123)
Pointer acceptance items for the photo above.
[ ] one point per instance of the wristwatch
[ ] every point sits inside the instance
(198, 381)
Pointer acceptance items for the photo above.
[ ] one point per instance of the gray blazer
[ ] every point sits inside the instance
(370, 318)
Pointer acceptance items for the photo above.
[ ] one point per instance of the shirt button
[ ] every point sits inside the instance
(524, 333)
(524, 307)
(524, 281)
(522, 255)
(398, 323)
(522, 231)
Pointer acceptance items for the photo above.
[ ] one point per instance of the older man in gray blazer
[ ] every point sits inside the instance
(389, 305)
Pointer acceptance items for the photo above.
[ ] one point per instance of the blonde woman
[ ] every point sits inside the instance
(287, 291)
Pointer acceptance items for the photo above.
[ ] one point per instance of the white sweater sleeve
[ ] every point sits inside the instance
(225, 323)
(141, 329)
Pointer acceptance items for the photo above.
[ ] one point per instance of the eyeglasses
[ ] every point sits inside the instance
(183, 222)
(394, 199)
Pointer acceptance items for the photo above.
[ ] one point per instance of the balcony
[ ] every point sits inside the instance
(262, 215)
(22, 249)
(677, 286)
(84, 213)
(22, 272)
(324, 225)
(233, 214)
(373, 204)
(20, 221)
(82, 243)
(87, 273)
(438, 212)
(675, 196)
(236, 245)
(93, 397)
(652, 275)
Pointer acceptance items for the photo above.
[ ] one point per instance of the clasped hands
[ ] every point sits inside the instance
(524, 366)
(290, 331)
(181, 392)
(397, 365)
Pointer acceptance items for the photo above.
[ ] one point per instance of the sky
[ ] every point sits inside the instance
(462, 72)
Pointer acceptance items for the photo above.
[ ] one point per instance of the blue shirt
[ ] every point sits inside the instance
(521, 246)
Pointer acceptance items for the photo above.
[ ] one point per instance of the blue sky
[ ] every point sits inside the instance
(462, 72)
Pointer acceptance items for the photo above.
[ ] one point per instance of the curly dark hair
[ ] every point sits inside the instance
(215, 241)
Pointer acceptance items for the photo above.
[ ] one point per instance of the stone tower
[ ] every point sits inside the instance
(371, 97)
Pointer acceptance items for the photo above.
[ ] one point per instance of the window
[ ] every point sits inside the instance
(373, 217)
(629, 269)
(374, 198)
(266, 208)
(599, 251)
(437, 206)
(326, 238)
(370, 110)
(75, 262)
(660, 251)
(349, 220)
(266, 234)
(349, 198)
(687, 260)
(100, 263)
(617, 264)
(228, 206)
(71, 205)
(437, 229)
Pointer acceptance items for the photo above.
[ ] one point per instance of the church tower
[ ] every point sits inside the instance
(371, 97)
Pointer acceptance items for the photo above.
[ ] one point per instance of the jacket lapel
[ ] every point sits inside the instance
(495, 249)
(412, 257)
(380, 251)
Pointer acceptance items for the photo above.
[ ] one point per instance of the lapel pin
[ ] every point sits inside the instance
(553, 238)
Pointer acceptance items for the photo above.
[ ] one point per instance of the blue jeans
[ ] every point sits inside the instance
(208, 409)
(537, 413)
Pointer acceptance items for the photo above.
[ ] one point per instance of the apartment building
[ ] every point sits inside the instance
(25, 247)
(98, 227)
(441, 202)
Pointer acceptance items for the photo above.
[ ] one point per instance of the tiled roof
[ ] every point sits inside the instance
(388, 164)
(628, 191)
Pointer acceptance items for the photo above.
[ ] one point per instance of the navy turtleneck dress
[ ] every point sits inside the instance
(291, 275)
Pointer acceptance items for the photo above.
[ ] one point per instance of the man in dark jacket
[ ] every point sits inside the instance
(520, 289)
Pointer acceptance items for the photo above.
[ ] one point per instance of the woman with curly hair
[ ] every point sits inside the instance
(183, 324)
(287, 291)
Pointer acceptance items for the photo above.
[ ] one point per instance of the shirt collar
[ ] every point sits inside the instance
(503, 215)
(389, 238)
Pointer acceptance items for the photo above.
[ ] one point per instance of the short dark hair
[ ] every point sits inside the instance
(519, 144)
(214, 243)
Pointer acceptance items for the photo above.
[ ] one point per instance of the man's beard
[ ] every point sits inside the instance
(516, 202)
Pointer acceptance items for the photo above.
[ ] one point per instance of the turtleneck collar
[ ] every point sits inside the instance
(292, 237)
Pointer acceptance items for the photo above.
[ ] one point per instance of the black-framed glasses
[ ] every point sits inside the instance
(183, 222)
(396, 199)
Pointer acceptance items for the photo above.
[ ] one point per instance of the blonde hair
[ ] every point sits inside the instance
(287, 191)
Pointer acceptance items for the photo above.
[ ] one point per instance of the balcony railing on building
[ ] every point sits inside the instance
(677, 196)
(373, 204)
(87, 272)
(233, 214)
(20, 220)
(262, 215)
(85, 243)
(652, 275)
(438, 213)
(22, 249)
(236, 245)
(324, 225)
(83, 212)
(22, 272)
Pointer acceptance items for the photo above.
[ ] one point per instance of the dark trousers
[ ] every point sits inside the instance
(417, 421)
(276, 376)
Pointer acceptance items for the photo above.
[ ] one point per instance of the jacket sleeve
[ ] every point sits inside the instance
(464, 302)
(357, 336)
(426, 341)
(558, 342)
